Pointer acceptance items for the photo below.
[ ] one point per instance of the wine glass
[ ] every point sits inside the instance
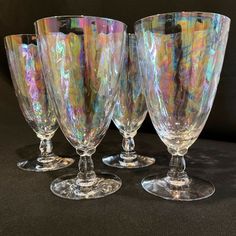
(82, 56)
(183, 54)
(130, 111)
(28, 80)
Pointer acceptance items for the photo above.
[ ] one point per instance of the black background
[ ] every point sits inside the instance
(17, 16)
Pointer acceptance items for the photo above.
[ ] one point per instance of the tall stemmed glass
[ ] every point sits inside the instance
(130, 111)
(183, 54)
(82, 56)
(28, 81)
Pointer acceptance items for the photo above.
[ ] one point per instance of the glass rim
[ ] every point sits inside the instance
(18, 35)
(79, 16)
(193, 13)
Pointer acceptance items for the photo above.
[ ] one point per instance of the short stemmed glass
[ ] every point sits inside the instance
(130, 111)
(28, 80)
(183, 54)
(82, 56)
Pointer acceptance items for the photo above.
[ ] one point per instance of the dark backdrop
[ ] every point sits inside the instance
(17, 16)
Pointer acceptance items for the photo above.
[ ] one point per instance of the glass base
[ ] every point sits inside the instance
(104, 185)
(118, 162)
(196, 189)
(48, 164)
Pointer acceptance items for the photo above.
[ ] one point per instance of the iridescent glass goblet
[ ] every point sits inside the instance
(183, 54)
(82, 56)
(27, 76)
(130, 111)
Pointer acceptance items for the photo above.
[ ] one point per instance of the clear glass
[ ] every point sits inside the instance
(82, 56)
(27, 76)
(130, 111)
(181, 55)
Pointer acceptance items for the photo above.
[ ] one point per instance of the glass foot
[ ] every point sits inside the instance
(118, 162)
(51, 163)
(104, 185)
(196, 189)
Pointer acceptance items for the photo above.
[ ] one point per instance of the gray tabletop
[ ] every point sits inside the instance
(27, 207)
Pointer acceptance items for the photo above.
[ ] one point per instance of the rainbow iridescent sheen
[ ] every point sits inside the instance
(82, 56)
(83, 65)
(27, 77)
(130, 110)
(181, 56)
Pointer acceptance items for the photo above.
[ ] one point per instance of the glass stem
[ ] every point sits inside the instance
(86, 176)
(45, 148)
(177, 175)
(128, 145)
